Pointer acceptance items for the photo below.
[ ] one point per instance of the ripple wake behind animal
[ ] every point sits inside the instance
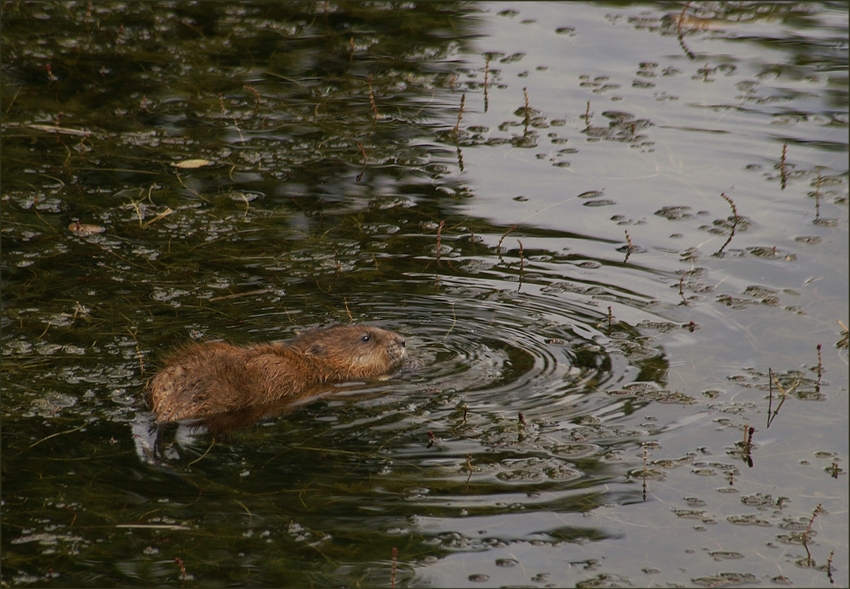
(207, 379)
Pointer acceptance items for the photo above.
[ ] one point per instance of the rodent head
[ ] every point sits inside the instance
(353, 351)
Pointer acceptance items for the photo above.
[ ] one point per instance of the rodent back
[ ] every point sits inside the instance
(205, 379)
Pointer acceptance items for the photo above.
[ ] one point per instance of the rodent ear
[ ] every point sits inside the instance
(316, 349)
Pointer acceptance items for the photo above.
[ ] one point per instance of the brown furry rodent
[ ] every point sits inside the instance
(213, 378)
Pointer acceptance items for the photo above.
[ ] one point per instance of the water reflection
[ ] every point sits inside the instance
(588, 369)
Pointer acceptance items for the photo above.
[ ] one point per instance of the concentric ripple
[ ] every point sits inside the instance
(534, 352)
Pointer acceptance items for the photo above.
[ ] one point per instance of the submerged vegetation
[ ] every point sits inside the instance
(496, 186)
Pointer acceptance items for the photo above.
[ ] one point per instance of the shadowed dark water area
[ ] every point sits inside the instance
(614, 235)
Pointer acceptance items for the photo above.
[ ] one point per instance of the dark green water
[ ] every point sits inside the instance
(529, 192)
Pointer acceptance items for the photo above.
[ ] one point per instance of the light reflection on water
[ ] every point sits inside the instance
(591, 345)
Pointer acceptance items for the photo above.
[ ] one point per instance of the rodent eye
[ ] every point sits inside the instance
(365, 338)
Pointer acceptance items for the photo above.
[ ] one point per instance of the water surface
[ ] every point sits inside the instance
(614, 234)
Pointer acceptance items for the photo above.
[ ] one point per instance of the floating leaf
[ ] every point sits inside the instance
(191, 164)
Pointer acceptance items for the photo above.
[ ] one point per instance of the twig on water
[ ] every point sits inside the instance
(372, 100)
(783, 172)
(486, 81)
(365, 159)
(681, 18)
(770, 395)
(70, 431)
(395, 559)
(735, 219)
(192, 190)
(818, 183)
(817, 196)
(459, 115)
(829, 566)
(679, 34)
(440, 240)
(820, 367)
(772, 380)
(526, 120)
(504, 235)
(521, 262)
(162, 215)
(456, 131)
(256, 94)
(807, 534)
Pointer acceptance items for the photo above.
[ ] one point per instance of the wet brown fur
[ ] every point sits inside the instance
(207, 379)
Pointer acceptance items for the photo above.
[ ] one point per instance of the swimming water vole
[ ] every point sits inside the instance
(206, 379)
